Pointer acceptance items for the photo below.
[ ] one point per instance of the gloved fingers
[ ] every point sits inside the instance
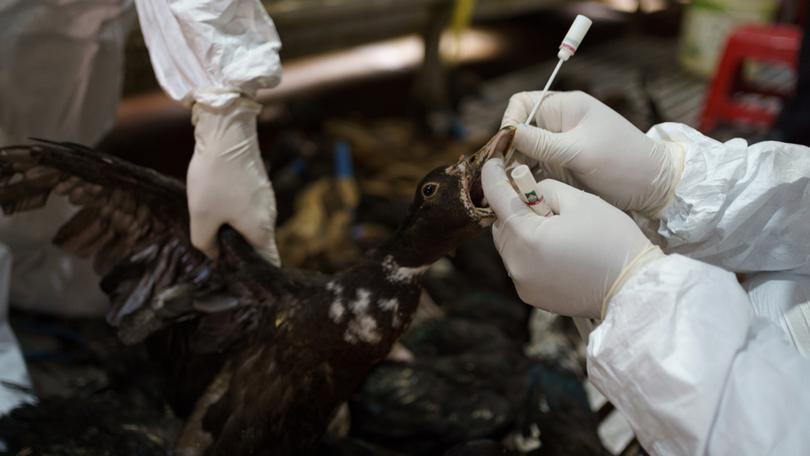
(270, 252)
(559, 173)
(545, 146)
(560, 197)
(558, 111)
(259, 230)
(520, 105)
(262, 238)
(502, 198)
(203, 230)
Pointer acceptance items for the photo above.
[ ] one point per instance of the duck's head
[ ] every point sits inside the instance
(449, 204)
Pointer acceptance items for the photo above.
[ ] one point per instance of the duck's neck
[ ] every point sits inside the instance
(404, 254)
(375, 300)
(400, 265)
(416, 245)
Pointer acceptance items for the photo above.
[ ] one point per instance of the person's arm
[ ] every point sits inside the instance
(679, 350)
(215, 56)
(682, 355)
(744, 208)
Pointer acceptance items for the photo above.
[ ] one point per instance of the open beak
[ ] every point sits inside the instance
(469, 170)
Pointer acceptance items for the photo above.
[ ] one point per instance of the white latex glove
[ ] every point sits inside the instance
(571, 263)
(227, 181)
(602, 149)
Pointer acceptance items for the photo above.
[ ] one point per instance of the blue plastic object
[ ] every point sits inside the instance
(342, 154)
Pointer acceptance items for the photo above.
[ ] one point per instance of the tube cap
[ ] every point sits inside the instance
(574, 37)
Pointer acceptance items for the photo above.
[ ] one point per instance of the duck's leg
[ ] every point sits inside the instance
(194, 440)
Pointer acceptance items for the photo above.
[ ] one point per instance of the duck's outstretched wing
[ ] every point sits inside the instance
(131, 220)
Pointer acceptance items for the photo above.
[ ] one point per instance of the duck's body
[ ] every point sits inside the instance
(274, 391)
(257, 356)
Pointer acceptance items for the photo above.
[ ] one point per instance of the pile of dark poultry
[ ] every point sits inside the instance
(264, 345)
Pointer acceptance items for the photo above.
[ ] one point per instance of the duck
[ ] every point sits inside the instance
(256, 357)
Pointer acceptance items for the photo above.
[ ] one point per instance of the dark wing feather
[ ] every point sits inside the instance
(132, 221)
(120, 203)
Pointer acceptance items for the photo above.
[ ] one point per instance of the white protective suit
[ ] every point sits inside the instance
(696, 364)
(61, 69)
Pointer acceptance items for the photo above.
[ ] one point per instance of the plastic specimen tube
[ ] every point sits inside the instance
(527, 187)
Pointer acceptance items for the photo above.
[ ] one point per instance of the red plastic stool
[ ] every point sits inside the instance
(767, 43)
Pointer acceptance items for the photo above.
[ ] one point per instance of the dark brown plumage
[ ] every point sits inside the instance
(257, 357)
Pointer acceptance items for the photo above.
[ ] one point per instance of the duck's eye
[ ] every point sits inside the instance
(428, 190)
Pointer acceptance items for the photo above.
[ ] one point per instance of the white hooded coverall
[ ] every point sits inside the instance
(696, 364)
(689, 358)
(61, 69)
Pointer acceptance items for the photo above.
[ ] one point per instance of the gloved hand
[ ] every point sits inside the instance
(571, 263)
(227, 181)
(605, 152)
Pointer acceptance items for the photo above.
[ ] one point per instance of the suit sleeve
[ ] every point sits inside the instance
(683, 356)
(742, 207)
(210, 51)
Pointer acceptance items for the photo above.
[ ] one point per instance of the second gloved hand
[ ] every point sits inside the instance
(227, 181)
(571, 263)
(605, 152)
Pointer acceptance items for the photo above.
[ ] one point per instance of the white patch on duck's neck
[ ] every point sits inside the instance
(391, 305)
(360, 305)
(362, 326)
(400, 274)
(388, 304)
(336, 309)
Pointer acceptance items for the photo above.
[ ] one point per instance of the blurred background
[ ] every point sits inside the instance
(395, 88)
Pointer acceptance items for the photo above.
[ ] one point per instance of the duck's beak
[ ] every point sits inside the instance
(469, 171)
